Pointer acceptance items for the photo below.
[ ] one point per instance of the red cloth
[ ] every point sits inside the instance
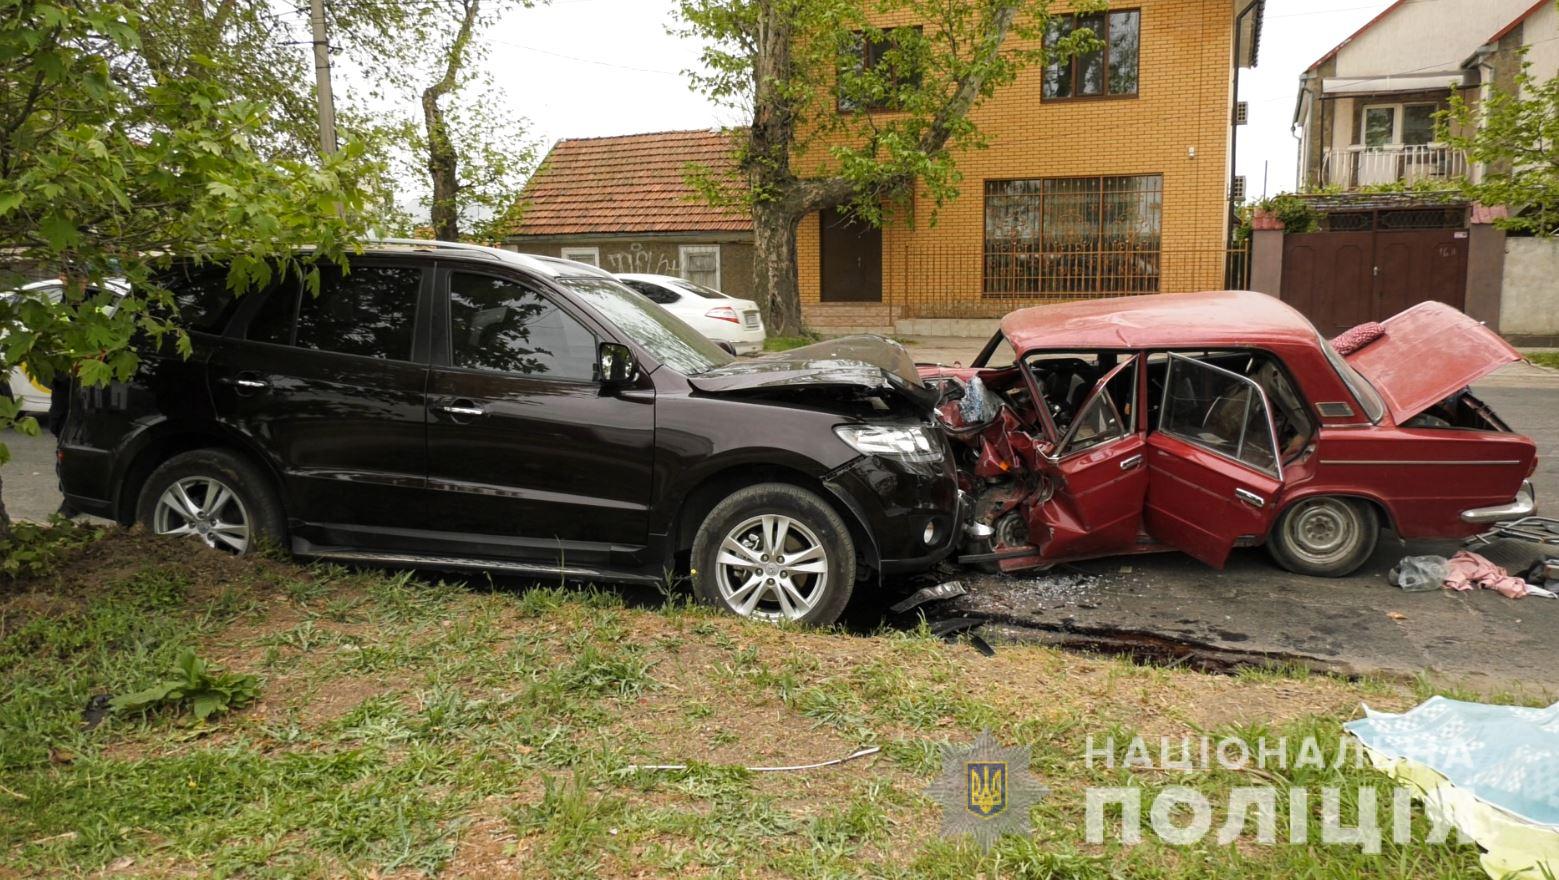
(1356, 338)
(1468, 571)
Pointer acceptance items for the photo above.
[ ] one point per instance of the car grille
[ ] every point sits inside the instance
(750, 320)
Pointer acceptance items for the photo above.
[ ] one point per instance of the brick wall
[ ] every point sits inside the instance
(1182, 102)
(654, 256)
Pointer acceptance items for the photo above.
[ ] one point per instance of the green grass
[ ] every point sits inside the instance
(427, 728)
(1544, 358)
(786, 343)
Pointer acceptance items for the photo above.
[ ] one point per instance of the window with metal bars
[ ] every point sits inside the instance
(1073, 235)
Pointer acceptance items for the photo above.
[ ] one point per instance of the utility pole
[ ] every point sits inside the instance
(327, 99)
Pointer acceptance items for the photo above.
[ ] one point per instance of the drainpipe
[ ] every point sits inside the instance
(1476, 172)
(1234, 130)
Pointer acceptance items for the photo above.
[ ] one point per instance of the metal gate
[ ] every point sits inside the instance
(1369, 265)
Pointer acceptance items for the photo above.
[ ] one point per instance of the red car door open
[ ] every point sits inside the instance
(1214, 471)
(1097, 507)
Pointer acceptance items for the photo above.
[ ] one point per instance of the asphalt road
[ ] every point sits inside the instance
(30, 489)
(1169, 604)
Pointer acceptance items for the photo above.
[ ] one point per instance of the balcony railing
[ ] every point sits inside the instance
(1360, 166)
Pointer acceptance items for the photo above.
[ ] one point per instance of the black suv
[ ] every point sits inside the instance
(453, 406)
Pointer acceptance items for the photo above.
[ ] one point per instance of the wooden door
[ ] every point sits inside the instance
(851, 259)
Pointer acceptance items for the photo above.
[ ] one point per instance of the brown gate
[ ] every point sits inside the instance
(1375, 264)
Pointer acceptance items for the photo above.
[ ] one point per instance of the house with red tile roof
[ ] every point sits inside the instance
(626, 204)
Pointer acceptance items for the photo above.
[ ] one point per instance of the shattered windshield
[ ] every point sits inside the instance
(670, 340)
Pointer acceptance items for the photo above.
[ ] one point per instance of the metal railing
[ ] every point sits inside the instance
(1359, 165)
(925, 282)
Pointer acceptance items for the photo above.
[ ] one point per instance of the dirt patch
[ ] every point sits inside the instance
(105, 565)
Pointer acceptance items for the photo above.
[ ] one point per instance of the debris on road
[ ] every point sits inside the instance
(1462, 573)
(952, 628)
(1419, 574)
(1468, 571)
(944, 590)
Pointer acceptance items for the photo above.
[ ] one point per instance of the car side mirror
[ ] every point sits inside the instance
(614, 364)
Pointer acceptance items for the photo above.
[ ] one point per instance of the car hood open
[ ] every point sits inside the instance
(1428, 353)
(871, 363)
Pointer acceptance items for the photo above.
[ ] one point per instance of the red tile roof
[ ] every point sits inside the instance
(630, 184)
(1515, 21)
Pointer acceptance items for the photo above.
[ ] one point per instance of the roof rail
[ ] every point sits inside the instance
(433, 244)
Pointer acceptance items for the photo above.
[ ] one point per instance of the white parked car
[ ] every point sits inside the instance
(34, 395)
(736, 322)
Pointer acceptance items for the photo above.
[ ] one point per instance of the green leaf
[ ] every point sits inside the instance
(207, 703)
(58, 230)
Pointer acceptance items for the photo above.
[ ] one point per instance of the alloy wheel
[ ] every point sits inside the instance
(771, 567)
(204, 508)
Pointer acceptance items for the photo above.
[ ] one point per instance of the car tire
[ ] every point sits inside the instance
(743, 529)
(215, 496)
(1325, 536)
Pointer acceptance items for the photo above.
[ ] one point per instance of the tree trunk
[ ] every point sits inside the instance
(774, 268)
(443, 169)
(443, 162)
(785, 198)
(5, 519)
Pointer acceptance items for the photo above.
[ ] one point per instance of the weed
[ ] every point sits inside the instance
(193, 684)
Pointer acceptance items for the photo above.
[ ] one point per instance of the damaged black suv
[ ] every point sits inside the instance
(452, 406)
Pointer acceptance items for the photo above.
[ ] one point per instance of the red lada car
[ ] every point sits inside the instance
(1203, 422)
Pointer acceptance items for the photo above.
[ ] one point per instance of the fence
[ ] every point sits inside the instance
(966, 283)
(1373, 166)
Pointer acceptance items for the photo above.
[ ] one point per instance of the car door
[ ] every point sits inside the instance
(529, 453)
(1214, 470)
(330, 389)
(1097, 505)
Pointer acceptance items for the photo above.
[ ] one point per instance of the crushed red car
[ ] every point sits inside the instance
(1204, 422)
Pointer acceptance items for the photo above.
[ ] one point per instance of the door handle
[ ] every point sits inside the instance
(248, 383)
(1250, 498)
(1131, 463)
(462, 409)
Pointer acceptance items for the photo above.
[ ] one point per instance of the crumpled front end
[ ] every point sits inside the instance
(1003, 469)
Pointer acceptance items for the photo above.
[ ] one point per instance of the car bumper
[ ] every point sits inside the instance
(899, 504)
(1523, 504)
(743, 339)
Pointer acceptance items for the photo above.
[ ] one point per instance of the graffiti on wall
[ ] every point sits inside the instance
(638, 260)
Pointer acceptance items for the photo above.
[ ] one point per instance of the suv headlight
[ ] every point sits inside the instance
(892, 441)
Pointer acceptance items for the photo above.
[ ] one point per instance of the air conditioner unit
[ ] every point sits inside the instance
(1241, 112)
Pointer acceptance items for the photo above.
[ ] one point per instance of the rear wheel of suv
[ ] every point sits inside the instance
(775, 552)
(1325, 537)
(214, 496)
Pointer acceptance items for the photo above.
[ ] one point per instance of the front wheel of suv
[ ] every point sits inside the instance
(214, 496)
(775, 552)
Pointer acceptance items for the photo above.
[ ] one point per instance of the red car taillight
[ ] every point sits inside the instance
(724, 313)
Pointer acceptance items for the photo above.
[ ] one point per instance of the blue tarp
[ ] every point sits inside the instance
(1507, 756)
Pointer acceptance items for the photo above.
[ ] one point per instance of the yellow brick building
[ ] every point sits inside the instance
(1109, 177)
